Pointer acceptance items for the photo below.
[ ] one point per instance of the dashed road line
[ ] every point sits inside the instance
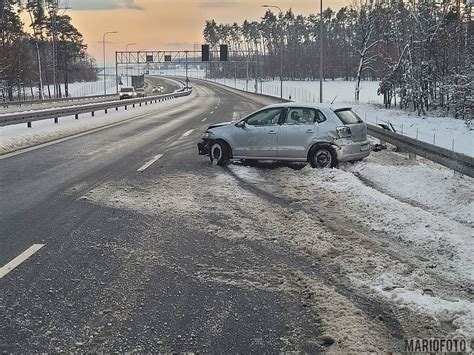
(150, 163)
(212, 112)
(19, 259)
(204, 119)
(188, 133)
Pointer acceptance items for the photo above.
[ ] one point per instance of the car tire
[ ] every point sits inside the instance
(322, 156)
(219, 153)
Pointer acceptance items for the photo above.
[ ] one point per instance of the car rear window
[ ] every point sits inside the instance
(126, 90)
(348, 116)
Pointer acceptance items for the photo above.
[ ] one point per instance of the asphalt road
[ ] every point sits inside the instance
(151, 260)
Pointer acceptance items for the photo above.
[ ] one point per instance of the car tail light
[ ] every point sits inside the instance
(344, 132)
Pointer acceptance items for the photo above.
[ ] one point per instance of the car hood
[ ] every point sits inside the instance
(215, 125)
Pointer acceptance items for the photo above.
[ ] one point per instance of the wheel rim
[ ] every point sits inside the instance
(323, 158)
(216, 152)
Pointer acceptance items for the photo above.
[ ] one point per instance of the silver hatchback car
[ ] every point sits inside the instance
(296, 132)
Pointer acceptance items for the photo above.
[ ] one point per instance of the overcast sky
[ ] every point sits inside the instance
(167, 24)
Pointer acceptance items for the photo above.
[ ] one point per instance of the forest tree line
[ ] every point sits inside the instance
(420, 51)
(32, 34)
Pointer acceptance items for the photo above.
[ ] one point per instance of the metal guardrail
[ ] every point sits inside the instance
(56, 113)
(6, 104)
(448, 158)
(453, 160)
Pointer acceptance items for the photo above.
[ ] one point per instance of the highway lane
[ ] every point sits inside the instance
(148, 247)
(58, 288)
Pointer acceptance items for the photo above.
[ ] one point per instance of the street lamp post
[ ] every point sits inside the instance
(126, 66)
(103, 46)
(321, 61)
(282, 50)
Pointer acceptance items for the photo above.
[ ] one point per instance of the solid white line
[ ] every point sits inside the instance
(204, 119)
(188, 133)
(149, 163)
(19, 259)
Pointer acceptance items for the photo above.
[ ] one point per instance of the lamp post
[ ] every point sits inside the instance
(103, 46)
(321, 61)
(282, 50)
(126, 66)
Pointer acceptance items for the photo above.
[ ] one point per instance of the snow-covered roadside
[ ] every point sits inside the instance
(423, 183)
(18, 136)
(434, 269)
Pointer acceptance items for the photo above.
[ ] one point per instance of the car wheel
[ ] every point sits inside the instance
(219, 153)
(323, 157)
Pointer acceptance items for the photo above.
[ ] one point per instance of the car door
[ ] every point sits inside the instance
(298, 131)
(258, 137)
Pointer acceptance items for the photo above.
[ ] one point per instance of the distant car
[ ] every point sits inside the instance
(140, 92)
(159, 89)
(298, 132)
(127, 92)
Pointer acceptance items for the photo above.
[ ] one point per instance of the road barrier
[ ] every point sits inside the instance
(6, 104)
(453, 160)
(56, 113)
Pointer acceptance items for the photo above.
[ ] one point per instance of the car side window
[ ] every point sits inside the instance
(304, 116)
(319, 118)
(265, 117)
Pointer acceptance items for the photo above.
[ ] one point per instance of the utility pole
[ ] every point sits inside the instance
(126, 66)
(105, 59)
(282, 49)
(54, 11)
(321, 61)
(187, 79)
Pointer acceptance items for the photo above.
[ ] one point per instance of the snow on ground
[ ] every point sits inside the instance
(87, 88)
(422, 183)
(18, 136)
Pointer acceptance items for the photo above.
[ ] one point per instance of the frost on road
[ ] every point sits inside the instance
(371, 266)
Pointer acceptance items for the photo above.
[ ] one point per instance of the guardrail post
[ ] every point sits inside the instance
(133, 105)
(56, 120)
(411, 156)
(28, 124)
(93, 113)
(116, 109)
(125, 107)
(76, 116)
(105, 111)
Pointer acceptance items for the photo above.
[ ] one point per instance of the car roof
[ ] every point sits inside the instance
(308, 105)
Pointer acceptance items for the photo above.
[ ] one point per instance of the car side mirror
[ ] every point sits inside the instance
(240, 124)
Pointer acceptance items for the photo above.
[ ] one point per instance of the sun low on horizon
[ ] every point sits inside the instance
(167, 24)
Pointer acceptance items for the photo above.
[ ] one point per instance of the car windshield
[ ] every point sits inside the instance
(126, 90)
(348, 116)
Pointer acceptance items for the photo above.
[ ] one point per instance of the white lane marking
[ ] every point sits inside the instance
(188, 133)
(204, 119)
(19, 259)
(215, 108)
(212, 112)
(149, 163)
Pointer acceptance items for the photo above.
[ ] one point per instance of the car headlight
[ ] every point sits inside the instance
(207, 134)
